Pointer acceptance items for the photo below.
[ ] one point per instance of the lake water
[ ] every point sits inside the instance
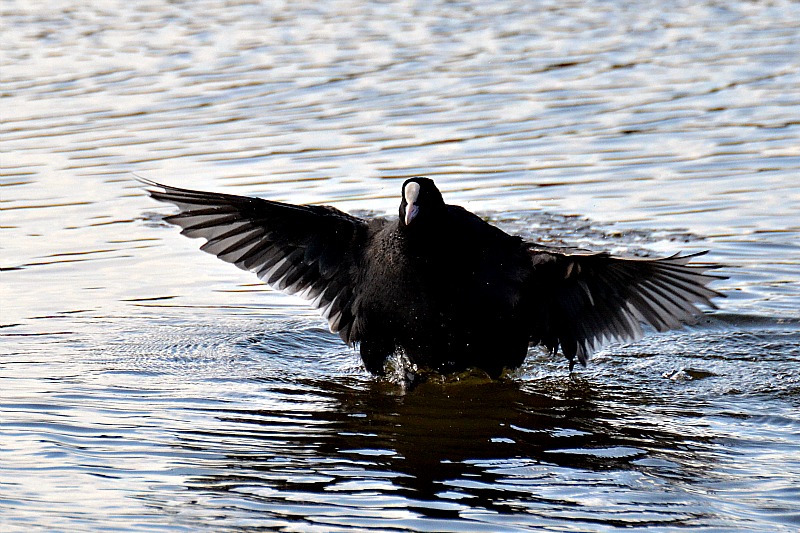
(146, 386)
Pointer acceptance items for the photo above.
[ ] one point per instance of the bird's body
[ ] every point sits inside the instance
(448, 298)
(439, 283)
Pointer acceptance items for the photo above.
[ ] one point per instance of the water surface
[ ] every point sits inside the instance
(148, 386)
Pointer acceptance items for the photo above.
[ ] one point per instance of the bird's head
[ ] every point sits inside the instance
(421, 201)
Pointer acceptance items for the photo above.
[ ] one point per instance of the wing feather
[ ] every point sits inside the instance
(310, 251)
(582, 301)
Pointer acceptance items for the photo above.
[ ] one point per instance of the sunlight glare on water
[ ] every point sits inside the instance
(147, 386)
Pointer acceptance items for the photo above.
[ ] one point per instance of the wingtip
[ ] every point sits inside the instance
(148, 184)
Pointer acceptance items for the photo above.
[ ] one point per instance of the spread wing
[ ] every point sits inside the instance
(582, 301)
(310, 251)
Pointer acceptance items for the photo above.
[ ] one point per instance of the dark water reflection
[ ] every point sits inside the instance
(621, 447)
(458, 451)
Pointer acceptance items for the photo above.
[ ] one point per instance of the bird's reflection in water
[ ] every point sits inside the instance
(447, 445)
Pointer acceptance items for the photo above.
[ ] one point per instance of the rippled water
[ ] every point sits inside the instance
(148, 386)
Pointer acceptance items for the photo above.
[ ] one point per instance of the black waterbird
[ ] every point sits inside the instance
(440, 284)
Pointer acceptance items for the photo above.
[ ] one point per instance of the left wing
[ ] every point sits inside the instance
(310, 251)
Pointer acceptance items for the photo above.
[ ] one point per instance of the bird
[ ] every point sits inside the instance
(440, 285)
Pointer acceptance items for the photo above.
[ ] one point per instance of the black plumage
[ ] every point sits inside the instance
(447, 288)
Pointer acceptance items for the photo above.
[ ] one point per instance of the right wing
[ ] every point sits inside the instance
(583, 300)
(310, 251)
